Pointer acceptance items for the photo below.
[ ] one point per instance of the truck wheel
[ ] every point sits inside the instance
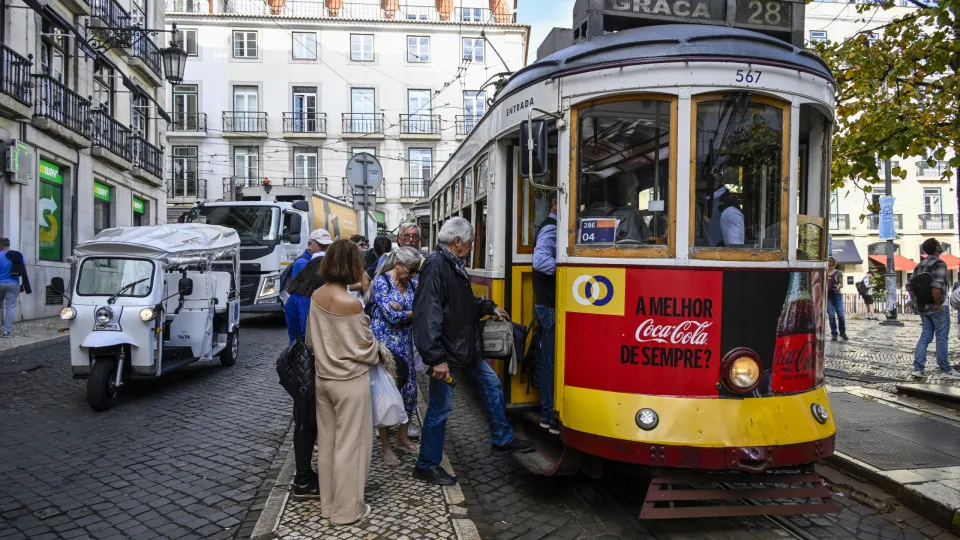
(101, 385)
(228, 356)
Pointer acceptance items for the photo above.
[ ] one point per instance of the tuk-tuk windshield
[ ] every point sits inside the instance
(102, 276)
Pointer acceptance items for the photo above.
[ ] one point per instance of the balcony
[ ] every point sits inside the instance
(306, 125)
(346, 191)
(413, 189)
(420, 126)
(146, 57)
(465, 124)
(840, 222)
(873, 222)
(187, 188)
(935, 172)
(382, 191)
(111, 139)
(188, 6)
(183, 123)
(314, 184)
(936, 222)
(16, 91)
(349, 10)
(367, 125)
(109, 13)
(244, 123)
(61, 111)
(147, 160)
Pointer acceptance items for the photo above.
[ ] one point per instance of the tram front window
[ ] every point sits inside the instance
(739, 172)
(624, 183)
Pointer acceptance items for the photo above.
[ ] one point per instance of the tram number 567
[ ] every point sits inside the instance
(749, 76)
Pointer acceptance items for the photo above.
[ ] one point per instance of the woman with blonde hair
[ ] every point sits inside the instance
(344, 348)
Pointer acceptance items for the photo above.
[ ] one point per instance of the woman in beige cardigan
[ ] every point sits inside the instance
(338, 333)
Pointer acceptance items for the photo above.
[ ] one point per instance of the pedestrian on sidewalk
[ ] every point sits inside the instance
(545, 292)
(446, 331)
(928, 287)
(13, 280)
(338, 333)
(835, 300)
(391, 315)
(865, 288)
(297, 310)
(381, 246)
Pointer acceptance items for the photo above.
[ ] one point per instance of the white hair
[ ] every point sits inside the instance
(409, 256)
(454, 228)
(408, 226)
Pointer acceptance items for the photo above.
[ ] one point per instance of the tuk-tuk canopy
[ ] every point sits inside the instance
(171, 243)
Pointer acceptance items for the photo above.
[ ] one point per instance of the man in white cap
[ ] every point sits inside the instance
(317, 246)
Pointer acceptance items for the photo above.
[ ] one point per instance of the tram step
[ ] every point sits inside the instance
(687, 495)
(551, 457)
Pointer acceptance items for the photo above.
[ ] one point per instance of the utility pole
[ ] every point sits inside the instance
(891, 276)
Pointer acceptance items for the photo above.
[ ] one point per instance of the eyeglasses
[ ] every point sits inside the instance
(410, 236)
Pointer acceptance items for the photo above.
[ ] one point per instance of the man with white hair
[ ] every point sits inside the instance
(409, 235)
(446, 331)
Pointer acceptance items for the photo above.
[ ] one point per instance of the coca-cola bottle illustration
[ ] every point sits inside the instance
(795, 351)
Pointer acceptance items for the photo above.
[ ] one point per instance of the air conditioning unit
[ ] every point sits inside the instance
(21, 163)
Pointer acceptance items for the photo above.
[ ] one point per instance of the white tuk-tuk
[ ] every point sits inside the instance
(148, 300)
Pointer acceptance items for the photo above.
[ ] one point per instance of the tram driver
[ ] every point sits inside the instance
(723, 219)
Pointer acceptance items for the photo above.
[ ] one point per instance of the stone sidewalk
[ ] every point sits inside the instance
(33, 334)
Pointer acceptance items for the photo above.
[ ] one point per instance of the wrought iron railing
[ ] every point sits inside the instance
(925, 170)
(348, 10)
(110, 134)
(15, 75)
(304, 122)
(244, 121)
(147, 156)
(55, 101)
(112, 14)
(873, 221)
(145, 49)
(182, 121)
(315, 183)
(936, 222)
(465, 124)
(187, 6)
(839, 222)
(382, 191)
(420, 124)
(362, 122)
(413, 188)
(187, 188)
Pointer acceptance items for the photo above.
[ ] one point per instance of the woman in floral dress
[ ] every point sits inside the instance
(391, 301)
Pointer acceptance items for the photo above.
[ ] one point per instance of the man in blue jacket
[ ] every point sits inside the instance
(317, 246)
(12, 271)
(545, 293)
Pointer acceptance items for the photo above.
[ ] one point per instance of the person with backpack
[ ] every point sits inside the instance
(545, 293)
(865, 288)
(928, 288)
(835, 300)
(13, 281)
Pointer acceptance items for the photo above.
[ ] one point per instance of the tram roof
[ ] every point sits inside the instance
(667, 43)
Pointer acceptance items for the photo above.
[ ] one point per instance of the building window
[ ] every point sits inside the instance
(304, 46)
(138, 13)
(473, 49)
(420, 167)
(362, 107)
(140, 114)
(187, 39)
(140, 212)
(419, 109)
(418, 49)
(246, 108)
(101, 207)
(931, 201)
(50, 222)
(305, 109)
(185, 117)
(471, 15)
(244, 44)
(474, 104)
(818, 36)
(53, 51)
(246, 164)
(184, 172)
(305, 163)
(361, 47)
(103, 86)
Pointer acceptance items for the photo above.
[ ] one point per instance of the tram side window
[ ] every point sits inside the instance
(739, 173)
(624, 181)
(814, 184)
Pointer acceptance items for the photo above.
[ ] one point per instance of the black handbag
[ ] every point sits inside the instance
(296, 370)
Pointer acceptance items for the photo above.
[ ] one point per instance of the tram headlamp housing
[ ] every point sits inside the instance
(647, 419)
(820, 413)
(68, 313)
(104, 315)
(740, 370)
(147, 314)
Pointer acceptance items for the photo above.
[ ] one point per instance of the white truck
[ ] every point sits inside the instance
(273, 235)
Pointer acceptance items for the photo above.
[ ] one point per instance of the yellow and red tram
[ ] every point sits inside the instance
(691, 167)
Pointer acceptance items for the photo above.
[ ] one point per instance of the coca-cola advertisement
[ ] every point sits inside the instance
(665, 331)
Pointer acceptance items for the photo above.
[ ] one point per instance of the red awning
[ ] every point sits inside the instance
(953, 263)
(900, 263)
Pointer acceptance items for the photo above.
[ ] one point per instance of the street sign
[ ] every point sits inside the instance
(363, 169)
(365, 202)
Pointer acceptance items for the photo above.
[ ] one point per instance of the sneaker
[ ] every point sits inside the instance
(950, 375)
(307, 491)
(436, 476)
(413, 432)
(917, 374)
(833, 337)
(516, 446)
(7, 334)
(554, 428)
(545, 424)
(844, 337)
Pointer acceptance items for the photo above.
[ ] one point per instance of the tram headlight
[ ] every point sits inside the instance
(68, 313)
(820, 413)
(740, 370)
(146, 314)
(104, 315)
(647, 419)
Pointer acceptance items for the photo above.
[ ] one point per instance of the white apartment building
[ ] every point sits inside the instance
(925, 205)
(81, 126)
(279, 94)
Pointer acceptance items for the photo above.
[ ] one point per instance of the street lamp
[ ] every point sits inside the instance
(174, 61)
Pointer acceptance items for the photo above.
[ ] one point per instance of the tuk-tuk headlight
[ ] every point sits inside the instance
(146, 314)
(104, 315)
(68, 313)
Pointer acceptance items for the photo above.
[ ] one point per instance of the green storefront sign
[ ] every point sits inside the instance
(138, 206)
(101, 192)
(49, 211)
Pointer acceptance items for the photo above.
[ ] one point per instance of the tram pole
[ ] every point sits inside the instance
(891, 276)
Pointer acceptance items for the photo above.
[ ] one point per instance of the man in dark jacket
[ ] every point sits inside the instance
(446, 330)
(13, 279)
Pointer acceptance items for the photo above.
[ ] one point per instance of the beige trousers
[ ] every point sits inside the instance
(344, 445)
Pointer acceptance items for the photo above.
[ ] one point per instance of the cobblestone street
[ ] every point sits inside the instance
(185, 457)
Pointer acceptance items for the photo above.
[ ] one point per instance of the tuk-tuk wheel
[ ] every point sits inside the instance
(101, 385)
(228, 356)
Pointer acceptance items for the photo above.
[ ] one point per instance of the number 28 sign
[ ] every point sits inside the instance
(765, 13)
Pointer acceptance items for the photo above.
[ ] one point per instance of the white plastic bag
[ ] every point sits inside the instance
(387, 402)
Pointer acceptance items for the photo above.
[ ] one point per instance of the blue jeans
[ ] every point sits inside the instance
(547, 318)
(440, 405)
(835, 311)
(9, 293)
(935, 323)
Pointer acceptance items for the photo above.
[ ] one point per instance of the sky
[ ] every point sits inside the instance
(543, 15)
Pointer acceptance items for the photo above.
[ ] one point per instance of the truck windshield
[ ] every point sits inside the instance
(107, 276)
(256, 225)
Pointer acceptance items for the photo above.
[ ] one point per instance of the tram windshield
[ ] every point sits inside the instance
(624, 174)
